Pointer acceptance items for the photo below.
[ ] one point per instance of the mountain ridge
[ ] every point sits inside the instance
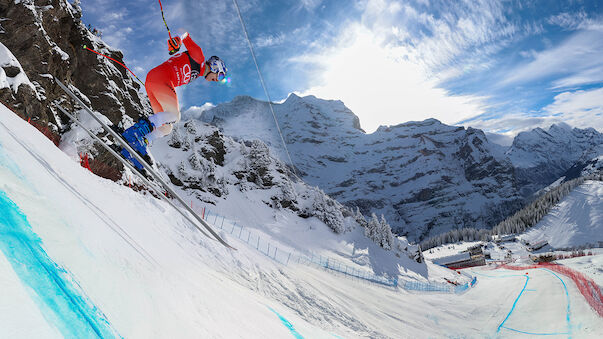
(426, 174)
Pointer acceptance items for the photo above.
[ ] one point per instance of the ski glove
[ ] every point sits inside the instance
(174, 45)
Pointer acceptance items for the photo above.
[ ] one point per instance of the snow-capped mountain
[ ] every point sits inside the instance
(425, 177)
(542, 156)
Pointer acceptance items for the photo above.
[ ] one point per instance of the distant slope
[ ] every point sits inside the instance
(577, 220)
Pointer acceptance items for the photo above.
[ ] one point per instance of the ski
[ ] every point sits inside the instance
(146, 166)
(119, 157)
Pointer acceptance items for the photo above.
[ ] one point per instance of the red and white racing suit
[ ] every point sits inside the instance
(178, 70)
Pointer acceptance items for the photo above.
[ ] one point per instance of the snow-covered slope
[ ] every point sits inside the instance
(576, 221)
(425, 177)
(145, 273)
(591, 265)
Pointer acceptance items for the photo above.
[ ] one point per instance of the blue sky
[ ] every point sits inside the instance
(502, 66)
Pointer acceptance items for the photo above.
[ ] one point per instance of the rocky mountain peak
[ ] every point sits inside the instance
(310, 108)
(541, 156)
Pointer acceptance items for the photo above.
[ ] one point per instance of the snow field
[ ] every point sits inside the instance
(153, 276)
(592, 266)
(539, 303)
(20, 316)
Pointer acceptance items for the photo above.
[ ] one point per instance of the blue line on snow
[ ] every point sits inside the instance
(532, 333)
(287, 324)
(56, 293)
(567, 312)
(514, 304)
(519, 296)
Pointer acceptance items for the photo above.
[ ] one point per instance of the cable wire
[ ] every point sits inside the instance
(264, 87)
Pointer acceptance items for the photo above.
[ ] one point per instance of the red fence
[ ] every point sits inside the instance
(589, 289)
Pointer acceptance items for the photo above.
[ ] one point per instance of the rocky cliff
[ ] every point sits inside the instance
(47, 39)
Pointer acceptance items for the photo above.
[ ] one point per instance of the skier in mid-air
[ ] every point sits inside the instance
(178, 70)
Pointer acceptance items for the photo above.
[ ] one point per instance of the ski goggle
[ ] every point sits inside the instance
(225, 81)
(221, 76)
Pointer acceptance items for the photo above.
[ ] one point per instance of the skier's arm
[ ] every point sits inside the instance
(193, 49)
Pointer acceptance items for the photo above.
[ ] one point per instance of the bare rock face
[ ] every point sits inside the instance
(47, 38)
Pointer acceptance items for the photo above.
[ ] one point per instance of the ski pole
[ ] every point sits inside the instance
(163, 17)
(173, 44)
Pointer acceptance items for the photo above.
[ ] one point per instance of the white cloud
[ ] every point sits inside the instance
(511, 124)
(379, 86)
(569, 20)
(389, 66)
(579, 108)
(449, 30)
(116, 36)
(576, 57)
(269, 41)
(114, 16)
(310, 5)
(582, 109)
(585, 77)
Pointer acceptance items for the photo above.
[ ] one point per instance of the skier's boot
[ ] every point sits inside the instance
(135, 136)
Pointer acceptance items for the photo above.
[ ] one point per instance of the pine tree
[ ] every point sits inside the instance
(370, 230)
(386, 237)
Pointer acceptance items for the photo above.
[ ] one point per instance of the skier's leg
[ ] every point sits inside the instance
(164, 100)
(160, 132)
(157, 83)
